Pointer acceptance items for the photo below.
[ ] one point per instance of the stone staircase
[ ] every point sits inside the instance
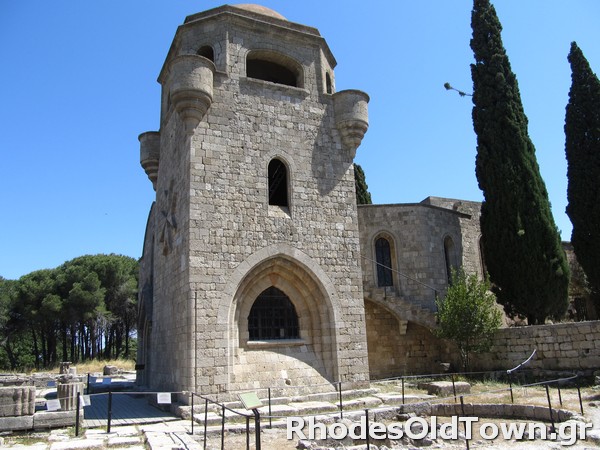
(406, 309)
(322, 404)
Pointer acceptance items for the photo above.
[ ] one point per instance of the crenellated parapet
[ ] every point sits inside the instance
(351, 117)
(189, 81)
(150, 154)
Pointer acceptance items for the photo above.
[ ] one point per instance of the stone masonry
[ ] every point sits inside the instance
(566, 346)
(253, 172)
(241, 88)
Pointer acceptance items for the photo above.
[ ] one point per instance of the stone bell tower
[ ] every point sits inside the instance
(250, 275)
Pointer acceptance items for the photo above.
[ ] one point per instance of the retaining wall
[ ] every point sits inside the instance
(566, 346)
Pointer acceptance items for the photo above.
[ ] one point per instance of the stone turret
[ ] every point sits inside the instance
(351, 117)
(188, 79)
(150, 154)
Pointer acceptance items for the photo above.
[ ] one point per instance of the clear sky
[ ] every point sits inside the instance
(78, 85)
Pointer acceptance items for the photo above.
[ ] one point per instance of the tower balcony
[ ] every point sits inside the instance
(190, 86)
(351, 117)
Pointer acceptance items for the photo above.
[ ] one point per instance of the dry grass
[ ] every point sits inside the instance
(95, 366)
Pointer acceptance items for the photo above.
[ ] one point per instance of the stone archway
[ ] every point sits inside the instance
(307, 361)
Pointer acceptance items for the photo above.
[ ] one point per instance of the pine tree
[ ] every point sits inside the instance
(363, 196)
(582, 131)
(521, 244)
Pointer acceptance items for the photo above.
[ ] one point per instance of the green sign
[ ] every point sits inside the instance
(250, 400)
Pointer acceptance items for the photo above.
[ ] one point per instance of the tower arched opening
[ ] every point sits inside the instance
(274, 67)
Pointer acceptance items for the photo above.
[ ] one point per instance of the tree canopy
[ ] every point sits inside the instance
(582, 147)
(521, 244)
(83, 309)
(363, 196)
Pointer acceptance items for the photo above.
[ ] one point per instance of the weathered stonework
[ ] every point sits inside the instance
(399, 347)
(17, 401)
(242, 88)
(214, 240)
(567, 347)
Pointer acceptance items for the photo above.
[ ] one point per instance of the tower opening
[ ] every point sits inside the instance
(206, 51)
(273, 67)
(278, 184)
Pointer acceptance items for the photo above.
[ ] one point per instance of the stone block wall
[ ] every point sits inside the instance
(397, 348)
(566, 346)
(416, 233)
(471, 258)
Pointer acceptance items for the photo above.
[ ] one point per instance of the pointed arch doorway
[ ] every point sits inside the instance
(282, 328)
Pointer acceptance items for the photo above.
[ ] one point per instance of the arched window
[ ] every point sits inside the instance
(273, 316)
(278, 183)
(206, 51)
(274, 67)
(449, 257)
(383, 256)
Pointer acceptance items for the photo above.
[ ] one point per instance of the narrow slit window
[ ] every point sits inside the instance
(449, 257)
(278, 183)
(273, 317)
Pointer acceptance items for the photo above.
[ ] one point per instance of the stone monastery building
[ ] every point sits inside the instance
(258, 268)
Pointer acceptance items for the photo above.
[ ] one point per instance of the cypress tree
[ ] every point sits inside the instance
(521, 245)
(582, 131)
(363, 196)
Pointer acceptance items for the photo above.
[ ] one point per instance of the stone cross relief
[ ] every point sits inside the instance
(169, 226)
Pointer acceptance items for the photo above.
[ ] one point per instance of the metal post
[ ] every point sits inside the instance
(222, 427)
(559, 395)
(77, 414)
(247, 432)
(512, 399)
(257, 427)
(367, 427)
(402, 390)
(462, 408)
(341, 402)
(454, 388)
(205, 420)
(550, 409)
(270, 419)
(192, 413)
(109, 418)
(580, 402)
(88, 384)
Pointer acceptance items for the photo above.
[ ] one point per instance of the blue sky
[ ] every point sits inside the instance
(78, 85)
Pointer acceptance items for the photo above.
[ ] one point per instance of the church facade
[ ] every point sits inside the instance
(258, 268)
